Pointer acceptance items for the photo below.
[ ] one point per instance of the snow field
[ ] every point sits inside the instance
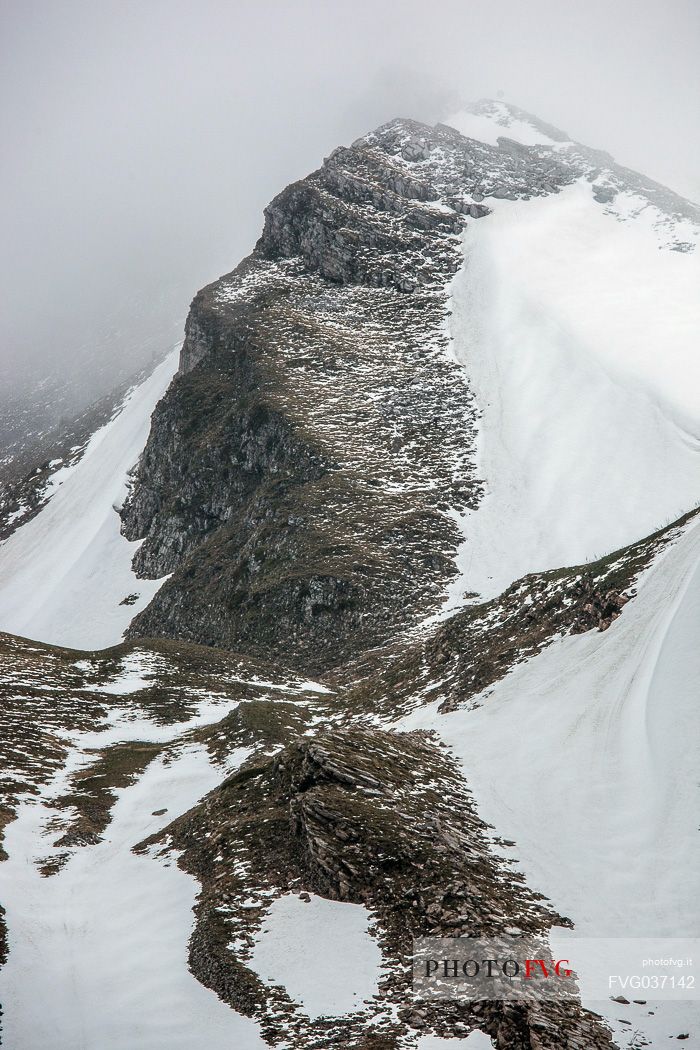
(587, 756)
(98, 951)
(590, 422)
(64, 574)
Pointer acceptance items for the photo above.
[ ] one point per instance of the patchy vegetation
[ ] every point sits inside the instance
(365, 816)
(480, 643)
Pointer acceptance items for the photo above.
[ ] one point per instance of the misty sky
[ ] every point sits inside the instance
(141, 140)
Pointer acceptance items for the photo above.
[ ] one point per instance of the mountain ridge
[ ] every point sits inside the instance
(381, 218)
(310, 706)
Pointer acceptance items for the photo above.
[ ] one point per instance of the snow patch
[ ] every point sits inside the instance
(474, 1041)
(129, 723)
(131, 677)
(322, 953)
(499, 122)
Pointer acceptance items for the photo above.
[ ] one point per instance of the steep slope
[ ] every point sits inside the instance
(424, 446)
(38, 441)
(600, 735)
(65, 574)
(290, 483)
(577, 328)
(311, 469)
(325, 413)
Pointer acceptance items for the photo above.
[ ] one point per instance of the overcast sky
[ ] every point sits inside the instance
(141, 139)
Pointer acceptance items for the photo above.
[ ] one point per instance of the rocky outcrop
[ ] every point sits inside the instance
(300, 472)
(596, 608)
(461, 657)
(372, 817)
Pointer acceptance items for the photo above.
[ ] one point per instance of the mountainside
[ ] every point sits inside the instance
(410, 546)
(308, 467)
(38, 440)
(65, 575)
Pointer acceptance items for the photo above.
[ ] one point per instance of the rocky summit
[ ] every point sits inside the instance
(368, 617)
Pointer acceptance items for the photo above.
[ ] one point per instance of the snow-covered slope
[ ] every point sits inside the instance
(577, 328)
(587, 755)
(101, 944)
(64, 575)
(488, 120)
(314, 480)
(599, 734)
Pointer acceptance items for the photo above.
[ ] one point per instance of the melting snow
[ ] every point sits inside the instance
(321, 952)
(16, 514)
(132, 678)
(587, 757)
(99, 951)
(474, 1041)
(128, 723)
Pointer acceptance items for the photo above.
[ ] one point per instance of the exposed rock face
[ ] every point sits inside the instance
(286, 501)
(298, 484)
(378, 818)
(299, 472)
(464, 655)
